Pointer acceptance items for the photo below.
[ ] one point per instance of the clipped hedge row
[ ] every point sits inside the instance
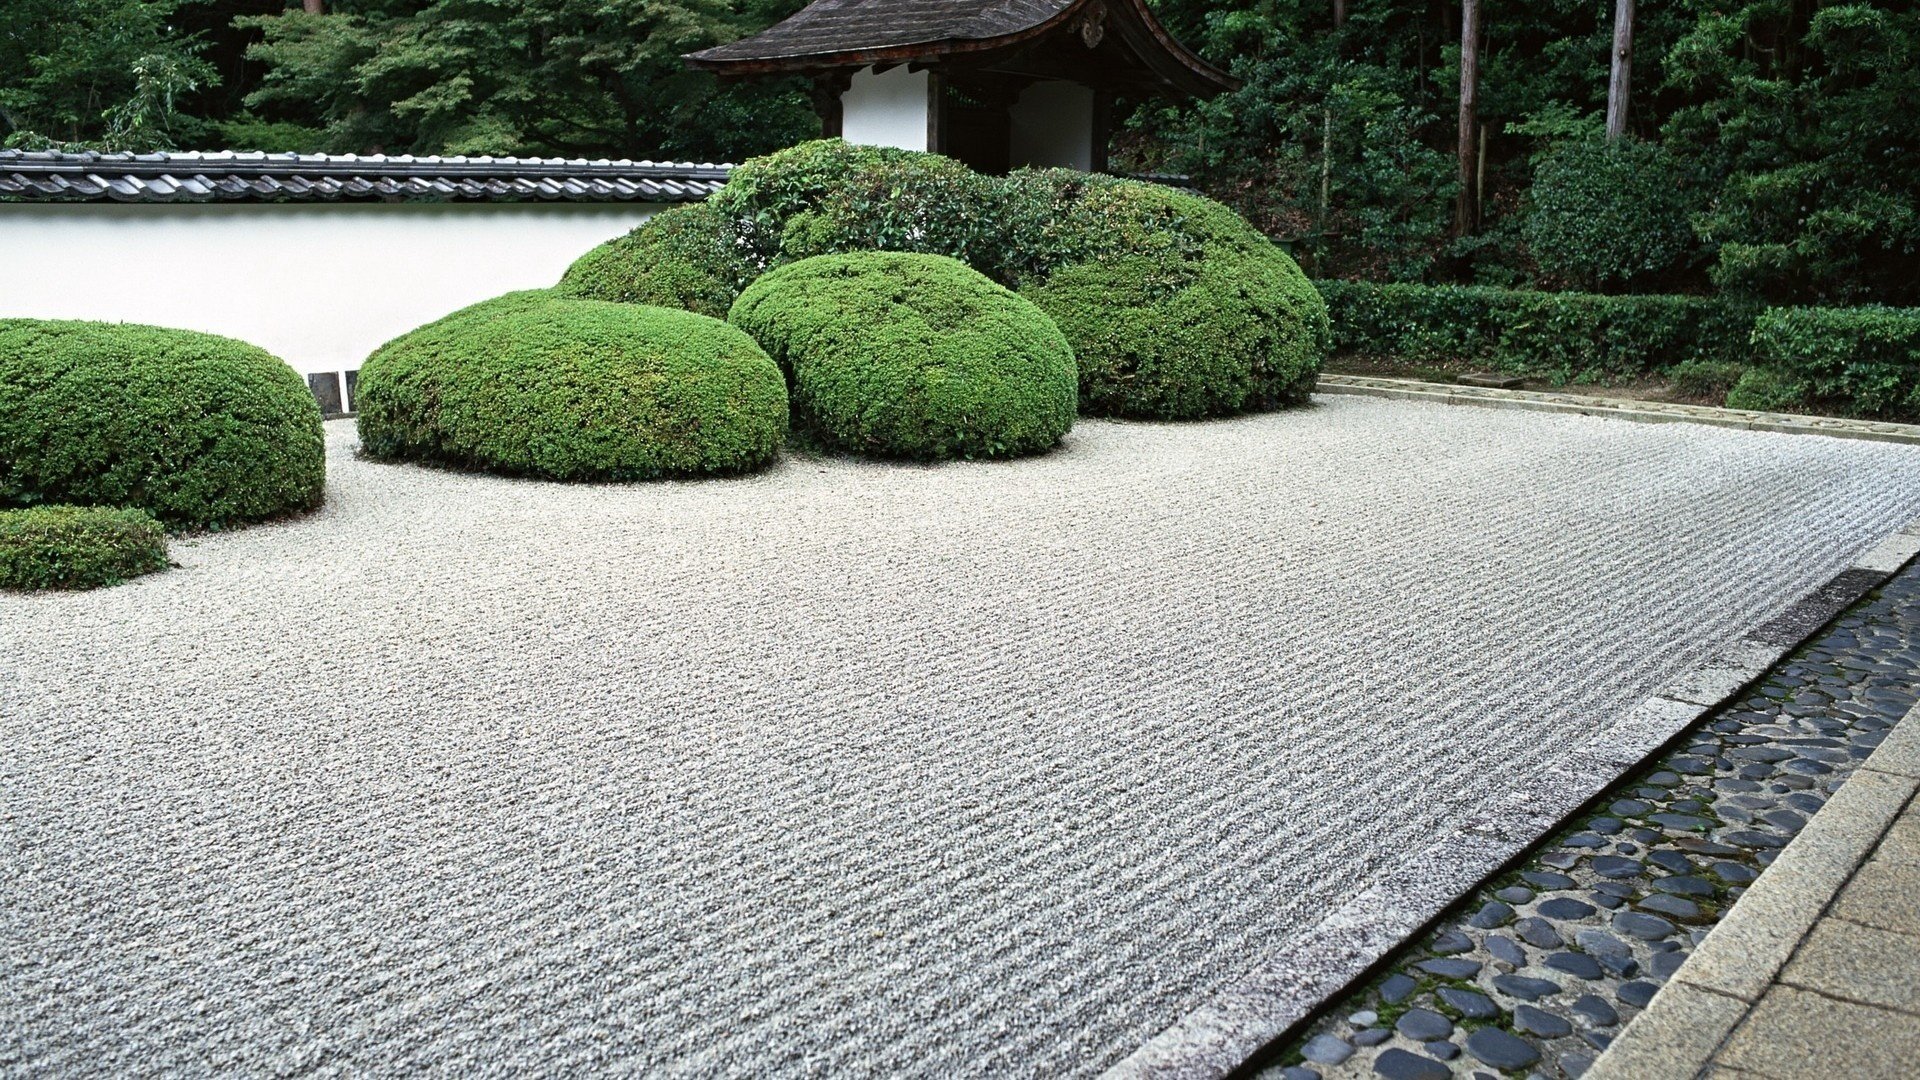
(1861, 360)
(1562, 337)
(899, 354)
(201, 431)
(1174, 306)
(78, 547)
(535, 384)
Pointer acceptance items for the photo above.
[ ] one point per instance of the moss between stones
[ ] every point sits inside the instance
(915, 356)
(198, 430)
(541, 385)
(78, 547)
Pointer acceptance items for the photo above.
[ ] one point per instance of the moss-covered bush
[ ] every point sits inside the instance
(78, 547)
(536, 384)
(689, 257)
(1176, 308)
(907, 355)
(198, 430)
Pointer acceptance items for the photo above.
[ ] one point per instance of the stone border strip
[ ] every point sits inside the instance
(1228, 1034)
(1651, 412)
(1691, 1017)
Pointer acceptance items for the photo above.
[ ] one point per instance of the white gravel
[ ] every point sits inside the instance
(844, 769)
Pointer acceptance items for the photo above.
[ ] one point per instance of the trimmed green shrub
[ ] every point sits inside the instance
(1176, 308)
(899, 354)
(1863, 361)
(1705, 380)
(541, 385)
(1766, 390)
(687, 257)
(1605, 214)
(1562, 337)
(78, 547)
(198, 430)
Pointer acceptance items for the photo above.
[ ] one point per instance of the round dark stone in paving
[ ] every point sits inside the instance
(1451, 968)
(1596, 1010)
(1629, 807)
(1493, 914)
(1502, 947)
(1540, 1022)
(1644, 927)
(1754, 838)
(1423, 1025)
(1575, 1064)
(1636, 994)
(1600, 943)
(1398, 1064)
(1452, 941)
(1759, 753)
(1672, 906)
(1525, 988)
(1540, 879)
(1684, 822)
(1614, 866)
(1326, 1050)
(1395, 988)
(1784, 819)
(1692, 766)
(1445, 1051)
(1298, 1072)
(1578, 965)
(1563, 907)
(1468, 1003)
(1607, 900)
(1733, 873)
(1537, 932)
(1371, 1037)
(1663, 965)
(1606, 825)
(1685, 885)
(1664, 778)
(1514, 894)
(1501, 1050)
(1671, 861)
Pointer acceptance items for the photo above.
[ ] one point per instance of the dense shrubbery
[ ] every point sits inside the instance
(1175, 307)
(78, 547)
(1863, 361)
(535, 384)
(1563, 337)
(198, 430)
(910, 355)
(1604, 215)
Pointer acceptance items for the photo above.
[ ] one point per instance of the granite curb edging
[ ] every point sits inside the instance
(1689, 1020)
(1228, 1035)
(1647, 412)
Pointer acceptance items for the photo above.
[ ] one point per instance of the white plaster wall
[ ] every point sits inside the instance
(1052, 125)
(320, 286)
(888, 109)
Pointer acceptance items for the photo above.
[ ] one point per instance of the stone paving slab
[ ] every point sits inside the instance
(989, 769)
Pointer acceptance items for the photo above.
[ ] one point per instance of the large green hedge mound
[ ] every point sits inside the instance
(1176, 307)
(536, 384)
(198, 430)
(78, 547)
(897, 354)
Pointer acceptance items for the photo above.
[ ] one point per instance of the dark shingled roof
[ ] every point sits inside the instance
(828, 27)
(227, 176)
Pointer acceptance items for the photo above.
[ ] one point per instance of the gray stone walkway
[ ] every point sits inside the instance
(1815, 972)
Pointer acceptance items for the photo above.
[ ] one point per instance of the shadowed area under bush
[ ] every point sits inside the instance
(540, 385)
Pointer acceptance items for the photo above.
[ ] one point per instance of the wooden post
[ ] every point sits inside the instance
(936, 111)
(1621, 79)
(1464, 210)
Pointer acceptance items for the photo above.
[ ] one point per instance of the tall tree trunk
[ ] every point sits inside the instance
(1621, 79)
(315, 7)
(1326, 125)
(1465, 211)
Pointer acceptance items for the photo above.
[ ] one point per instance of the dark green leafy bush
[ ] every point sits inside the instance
(1603, 215)
(908, 355)
(535, 384)
(687, 257)
(1705, 380)
(1863, 361)
(78, 547)
(1563, 337)
(198, 430)
(1176, 308)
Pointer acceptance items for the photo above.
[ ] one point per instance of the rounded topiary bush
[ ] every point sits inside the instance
(198, 430)
(689, 257)
(78, 547)
(1176, 308)
(907, 355)
(536, 384)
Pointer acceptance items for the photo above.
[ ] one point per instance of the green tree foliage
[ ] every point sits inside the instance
(1603, 216)
(522, 77)
(109, 73)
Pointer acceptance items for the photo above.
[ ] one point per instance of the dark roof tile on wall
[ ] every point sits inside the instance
(834, 26)
(228, 176)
